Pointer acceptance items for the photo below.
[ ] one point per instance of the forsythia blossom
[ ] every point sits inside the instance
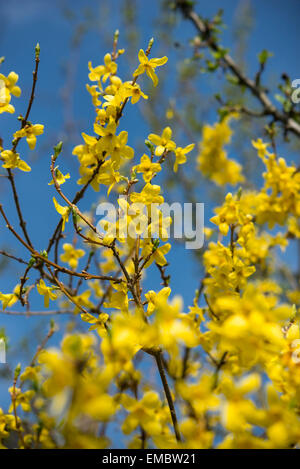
(228, 360)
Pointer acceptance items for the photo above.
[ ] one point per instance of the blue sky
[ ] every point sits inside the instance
(276, 27)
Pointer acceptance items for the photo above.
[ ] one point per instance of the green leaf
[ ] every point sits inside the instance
(232, 79)
(57, 149)
(220, 53)
(264, 55)
(31, 261)
(223, 112)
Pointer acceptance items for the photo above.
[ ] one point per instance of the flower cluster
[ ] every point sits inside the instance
(231, 356)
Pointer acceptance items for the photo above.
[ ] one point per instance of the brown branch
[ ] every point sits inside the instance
(90, 257)
(65, 292)
(78, 196)
(22, 284)
(18, 259)
(120, 112)
(14, 147)
(43, 344)
(18, 207)
(13, 400)
(165, 278)
(34, 313)
(205, 31)
(37, 255)
(160, 366)
(71, 205)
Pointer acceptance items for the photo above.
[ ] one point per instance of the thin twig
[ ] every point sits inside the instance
(18, 259)
(204, 28)
(160, 366)
(15, 144)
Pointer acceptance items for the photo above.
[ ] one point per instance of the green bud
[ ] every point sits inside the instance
(17, 371)
(239, 193)
(57, 149)
(263, 56)
(31, 262)
(109, 332)
(150, 44)
(150, 146)
(52, 324)
(232, 79)
(37, 51)
(223, 112)
(44, 254)
(155, 244)
(75, 216)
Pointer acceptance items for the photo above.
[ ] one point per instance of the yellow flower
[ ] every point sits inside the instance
(158, 254)
(9, 299)
(10, 83)
(12, 160)
(146, 412)
(163, 143)
(149, 195)
(61, 179)
(160, 224)
(7, 422)
(149, 66)
(180, 155)
(83, 300)
(8, 87)
(124, 340)
(147, 168)
(108, 176)
(227, 215)
(154, 298)
(95, 94)
(71, 255)
(63, 211)
(30, 132)
(261, 147)
(119, 298)
(97, 323)
(212, 159)
(135, 92)
(5, 98)
(115, 85)
(238, 410)
(47, 292)
(108, 134)
(22, 398)
(199, 395)
(103, 71)
(170, 113)
(121, 150)
(114, 101)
